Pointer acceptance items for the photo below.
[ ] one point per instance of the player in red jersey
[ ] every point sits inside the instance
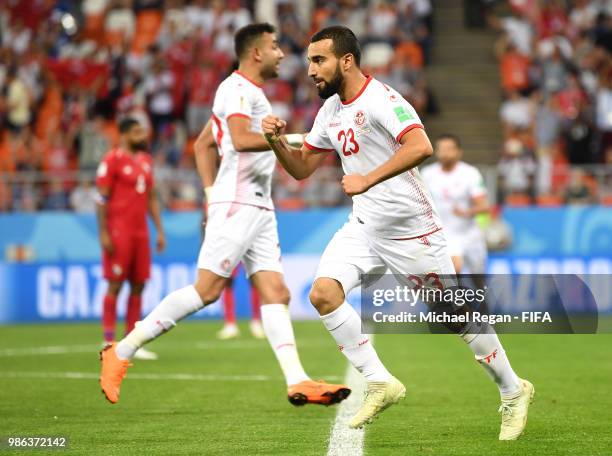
(126, 194)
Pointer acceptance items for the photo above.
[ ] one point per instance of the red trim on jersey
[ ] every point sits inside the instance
(406, 130)
(250, 80)
(315, 148)
(238, 114)
(417, 237)
(369, 78)
(219, 129)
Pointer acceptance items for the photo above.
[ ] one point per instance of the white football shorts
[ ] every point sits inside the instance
(353, 252)
(240, 232)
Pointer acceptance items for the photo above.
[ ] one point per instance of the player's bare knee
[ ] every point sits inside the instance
(326, 296)
(136, 288)
(209, 287)
(114, 287)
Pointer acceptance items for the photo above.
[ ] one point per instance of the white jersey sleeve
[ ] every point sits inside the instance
(317, 139)
(396, 115)
(238, 103)
(477, 186)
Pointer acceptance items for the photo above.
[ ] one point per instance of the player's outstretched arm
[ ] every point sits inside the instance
(101, 214)
(206, 156)
(415, 148)
(299, 162)
(154, 210)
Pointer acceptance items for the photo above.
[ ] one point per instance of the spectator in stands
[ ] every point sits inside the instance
(516, 112)
(200, 79)
(514, 68)
(603, 106)
(18, 102)
(577, 191)
(516, 169)
(83, 197)
(120, 23)
(56, 198)
(158, 89)
(547, 136)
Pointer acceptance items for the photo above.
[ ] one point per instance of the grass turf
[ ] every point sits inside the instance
(450, 408)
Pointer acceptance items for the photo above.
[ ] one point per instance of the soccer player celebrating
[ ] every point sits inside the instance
(459, 194)
(241, 226)
(125, 194)
(394, 225)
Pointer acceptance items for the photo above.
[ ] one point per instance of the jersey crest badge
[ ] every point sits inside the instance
(359, 118)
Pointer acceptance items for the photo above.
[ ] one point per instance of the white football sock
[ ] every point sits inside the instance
(279, 331)
(173, 308)
(344, 324)
(490, 354)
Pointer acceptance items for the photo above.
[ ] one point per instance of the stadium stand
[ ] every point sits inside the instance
(69, 69)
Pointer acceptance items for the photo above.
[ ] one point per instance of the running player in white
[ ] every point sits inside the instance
(459, 194)
(394, 225)
(241, 226)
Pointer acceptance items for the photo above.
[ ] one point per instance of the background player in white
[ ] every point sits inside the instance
(459, 194)
(241, 226)
(380, 140)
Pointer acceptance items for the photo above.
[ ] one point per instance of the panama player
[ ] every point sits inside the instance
(393, 225)
(241, 226)
(125, 196)
(459, 194)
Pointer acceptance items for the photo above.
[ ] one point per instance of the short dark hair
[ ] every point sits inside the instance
(450, 137)
(126, 124)
(343, 39)
(246, 36)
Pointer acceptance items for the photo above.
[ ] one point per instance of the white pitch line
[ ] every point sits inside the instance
(344, 441)
(69, 349)
(145, 376)
(48, 350)
(135, 376)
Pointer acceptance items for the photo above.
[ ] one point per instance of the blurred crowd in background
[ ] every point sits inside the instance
(555, 60)
(69, 69)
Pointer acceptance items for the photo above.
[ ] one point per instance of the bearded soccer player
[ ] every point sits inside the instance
(125, 195)
(459, 194)
(381, 141)
(241, 226)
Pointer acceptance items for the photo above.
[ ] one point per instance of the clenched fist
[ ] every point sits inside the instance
(355, 184)
(273, 127)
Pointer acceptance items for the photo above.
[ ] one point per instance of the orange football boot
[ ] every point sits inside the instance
(319, 392)
(113, 372)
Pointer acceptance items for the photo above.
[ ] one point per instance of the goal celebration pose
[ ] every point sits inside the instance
(394, 225)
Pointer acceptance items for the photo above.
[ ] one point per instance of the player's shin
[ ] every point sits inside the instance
(344, 324)
(132, 315)
(489, 352)
(279, 331)
(109, 317)
(173, 308)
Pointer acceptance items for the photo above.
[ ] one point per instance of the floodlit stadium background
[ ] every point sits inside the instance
(528, 90)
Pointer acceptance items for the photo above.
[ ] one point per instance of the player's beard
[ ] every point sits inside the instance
(139, 146)
(332, 87)
(269, 71)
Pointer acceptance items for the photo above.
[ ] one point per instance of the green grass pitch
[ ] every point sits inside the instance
(231, 400)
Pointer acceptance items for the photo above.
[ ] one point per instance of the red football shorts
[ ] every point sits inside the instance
(131, 258)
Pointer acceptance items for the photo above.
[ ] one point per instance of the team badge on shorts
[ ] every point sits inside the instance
(225, 264)
(117, 269)
(359, 118)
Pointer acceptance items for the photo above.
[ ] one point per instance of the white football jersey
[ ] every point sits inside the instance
(366, 132)
(243, 177)
(454, 189)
